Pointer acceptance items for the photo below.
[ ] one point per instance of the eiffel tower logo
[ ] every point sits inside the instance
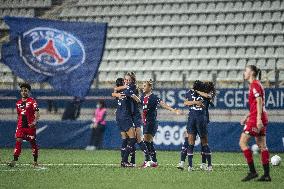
(49, 49)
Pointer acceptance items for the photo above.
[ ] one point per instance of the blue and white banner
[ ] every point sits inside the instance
(65, 54)
(226, 98)
(170, 135)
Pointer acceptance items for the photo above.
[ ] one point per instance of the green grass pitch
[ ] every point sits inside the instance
(100, 169)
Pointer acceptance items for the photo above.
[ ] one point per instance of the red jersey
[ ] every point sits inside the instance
(26, 112)
(256, 90)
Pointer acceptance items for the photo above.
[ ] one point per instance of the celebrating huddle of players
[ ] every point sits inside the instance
(128, 119)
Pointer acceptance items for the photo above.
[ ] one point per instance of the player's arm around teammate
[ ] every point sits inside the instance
(191, 103)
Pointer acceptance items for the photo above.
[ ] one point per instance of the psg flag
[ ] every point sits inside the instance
(65, 54)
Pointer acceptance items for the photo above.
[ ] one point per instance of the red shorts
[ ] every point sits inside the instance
(26, 133)
(251, 129)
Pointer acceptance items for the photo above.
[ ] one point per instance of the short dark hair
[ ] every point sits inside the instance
(25, 85)
(198, 85)
(119, 82)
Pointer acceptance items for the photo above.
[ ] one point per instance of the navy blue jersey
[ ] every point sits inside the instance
(134, 104)
(191, 95)
(149, 104)
(133, 87)
(124, 105)
(206, 103)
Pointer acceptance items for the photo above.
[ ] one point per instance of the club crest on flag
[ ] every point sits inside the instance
(51, 51)
(67, 55)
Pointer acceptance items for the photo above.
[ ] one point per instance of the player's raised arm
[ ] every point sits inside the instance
(166, 106)
(203, 94)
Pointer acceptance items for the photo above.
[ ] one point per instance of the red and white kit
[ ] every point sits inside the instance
(256, 90)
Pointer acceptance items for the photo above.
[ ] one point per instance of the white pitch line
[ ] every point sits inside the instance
(16, 170)
(111, 164)
(219, 164)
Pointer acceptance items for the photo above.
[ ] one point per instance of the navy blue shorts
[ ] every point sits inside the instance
(124, 124)
(137, 120)
(150, 128)
(197, 124)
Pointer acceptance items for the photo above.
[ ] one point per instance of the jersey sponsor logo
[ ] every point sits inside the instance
(51, 51)
(28, 104)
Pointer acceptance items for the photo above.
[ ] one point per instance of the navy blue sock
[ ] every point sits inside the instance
(145, 150)
(183, 151)
(153, 152)
(133, 155)
(148, 145)
(129, 149)
(208, 154)
(123, 147)
(190, 154)
(203, 156)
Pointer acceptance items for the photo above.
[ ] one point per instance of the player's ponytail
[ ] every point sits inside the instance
(259, 74)
(256, 71)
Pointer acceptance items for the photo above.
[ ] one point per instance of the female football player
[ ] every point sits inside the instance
(255, 123)
(150, 125)
(124, 121)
